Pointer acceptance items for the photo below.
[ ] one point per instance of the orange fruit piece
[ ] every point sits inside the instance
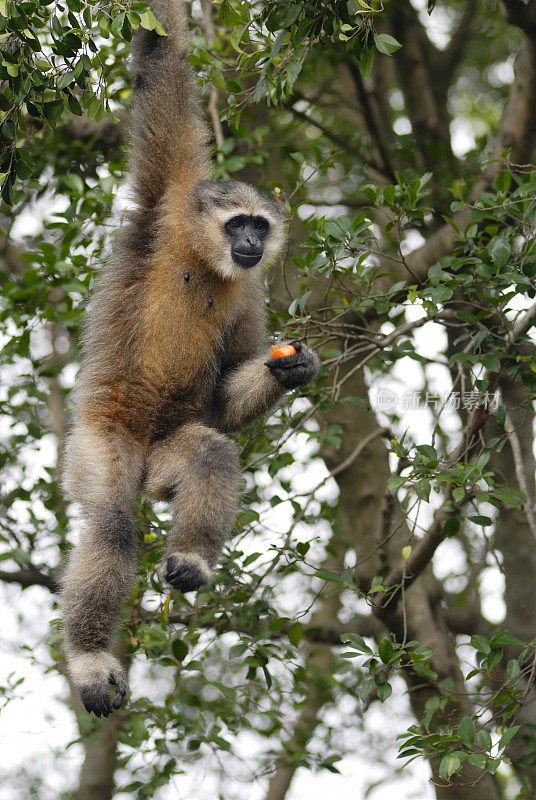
(280, 352)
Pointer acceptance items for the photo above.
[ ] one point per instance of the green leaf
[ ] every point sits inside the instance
(494, 658)
(386, 44)
(458, 494)
(428, 451)
(53, 110)
(448, 765)
(491, 362)
(508, 735)
(117, 23)
(179, 649)
(295, 633)
(386, 650)
(277, 43)
(384, 691)
(395, 482)
(513, 670)
(150, 23)
(477, 760)
(96, 109)
(328, 576)
(503, 181)
(506, 638)
(289, 15)
(499, 251)
(237, 650)
(422, 490)
(480, 643)
(500, 415)
(366, 61)
(466, 731)
(478, 519)
(484, 740)
(356, 641)
(451, 526)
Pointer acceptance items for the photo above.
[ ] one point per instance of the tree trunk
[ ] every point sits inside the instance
(96, 780)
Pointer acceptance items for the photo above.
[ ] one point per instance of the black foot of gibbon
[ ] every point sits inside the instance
(187, 572)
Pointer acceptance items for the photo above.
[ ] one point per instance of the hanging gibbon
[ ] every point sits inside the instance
(174, 359)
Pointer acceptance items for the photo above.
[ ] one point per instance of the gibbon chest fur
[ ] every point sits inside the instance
(174, 358)
(186, 341)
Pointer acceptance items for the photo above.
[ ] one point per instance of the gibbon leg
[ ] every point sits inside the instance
(198, 468)
(103, 472)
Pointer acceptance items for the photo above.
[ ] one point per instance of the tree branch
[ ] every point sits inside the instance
(329, 632)
(452, 56)
(212, 108)
(517, 455)
(368, 113)
(415, 63)
(520, 14)
(30, 576)
(517, 132)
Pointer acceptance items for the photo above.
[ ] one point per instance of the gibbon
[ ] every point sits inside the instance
(174, 357)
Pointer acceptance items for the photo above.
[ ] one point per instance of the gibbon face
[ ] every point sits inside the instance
(238, 228)
(247, 235)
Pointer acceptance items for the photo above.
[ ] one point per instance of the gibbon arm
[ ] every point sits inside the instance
(247, 393)
(169, 137)
(255, 383)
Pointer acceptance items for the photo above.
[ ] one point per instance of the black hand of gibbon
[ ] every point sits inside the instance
(295, 370)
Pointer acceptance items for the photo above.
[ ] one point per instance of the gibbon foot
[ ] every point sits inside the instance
(297, 369)
(187, 571)
(93, 674)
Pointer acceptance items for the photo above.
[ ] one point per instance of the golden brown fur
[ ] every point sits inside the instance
(174, 356)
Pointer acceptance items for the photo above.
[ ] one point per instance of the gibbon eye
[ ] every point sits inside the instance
(261, 224)
(235, 223)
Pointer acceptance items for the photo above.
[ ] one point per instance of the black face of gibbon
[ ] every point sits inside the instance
(247, 236)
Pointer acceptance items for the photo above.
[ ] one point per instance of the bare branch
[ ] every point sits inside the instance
(376, 171)
(523, 324)
(415, 64)
(517, 454)
(370, 119)
(11, 261)
(30, 576)
(329, 632)
(402, 576)
(212, 108)
(521, 14)
(458, 43)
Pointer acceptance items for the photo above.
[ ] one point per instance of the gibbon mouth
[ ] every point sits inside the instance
(246, 260)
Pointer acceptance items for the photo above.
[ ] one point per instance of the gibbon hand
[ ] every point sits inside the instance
(297, 369)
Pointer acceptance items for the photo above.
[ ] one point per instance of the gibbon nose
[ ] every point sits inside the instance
(247, 249)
